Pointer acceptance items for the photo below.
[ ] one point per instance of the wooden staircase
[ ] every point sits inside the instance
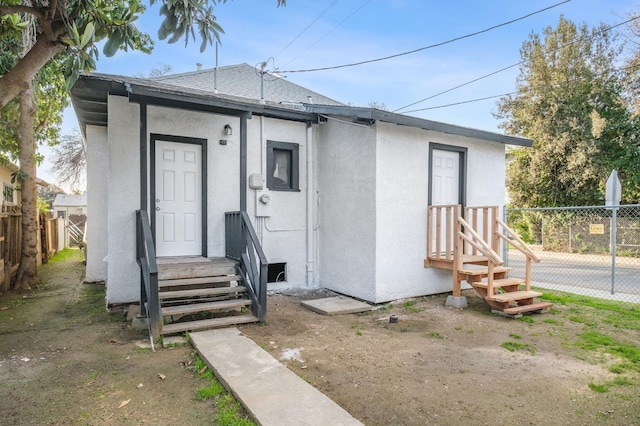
(199, 293)
(469, 248)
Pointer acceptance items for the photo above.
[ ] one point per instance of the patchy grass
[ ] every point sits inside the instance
(619, 314)
(628, 353)
(515, 336)
(436, 335)
(228, 410)
(518, 346)
(65, 255)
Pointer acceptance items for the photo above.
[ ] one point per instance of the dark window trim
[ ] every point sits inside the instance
(180, 139)
(294, 148)
(462, 188)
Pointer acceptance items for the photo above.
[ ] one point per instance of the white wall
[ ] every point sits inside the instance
(123, 197)
(97, 211)
(402, 189)
(223, 162)
(284, 230)
(346, 186)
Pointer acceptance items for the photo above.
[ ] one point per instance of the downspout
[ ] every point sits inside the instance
(310, 245)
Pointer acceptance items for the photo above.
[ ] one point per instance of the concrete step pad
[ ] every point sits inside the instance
(273, 394)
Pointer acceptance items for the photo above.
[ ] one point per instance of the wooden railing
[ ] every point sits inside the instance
(453, 240)
(442, 222)
(146, 257)
(242, 244)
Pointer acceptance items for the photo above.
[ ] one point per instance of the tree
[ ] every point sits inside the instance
(38, 32)
(569, 100)
(70, 161)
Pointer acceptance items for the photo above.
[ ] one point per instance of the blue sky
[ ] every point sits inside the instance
(348, 31)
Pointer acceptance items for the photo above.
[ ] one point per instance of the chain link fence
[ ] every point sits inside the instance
(594, 251)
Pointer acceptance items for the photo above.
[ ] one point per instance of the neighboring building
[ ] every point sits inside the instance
(10, 190)
(338, 195)
(65, 205)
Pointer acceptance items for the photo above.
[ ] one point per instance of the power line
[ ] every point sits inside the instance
(513, 93)
(508, 67)
(427, 47)
(333, 3)
(329, 32)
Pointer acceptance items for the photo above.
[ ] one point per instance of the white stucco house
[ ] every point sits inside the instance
(65, 205)
(337, 195)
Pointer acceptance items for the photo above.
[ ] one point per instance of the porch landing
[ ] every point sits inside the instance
(273, 394)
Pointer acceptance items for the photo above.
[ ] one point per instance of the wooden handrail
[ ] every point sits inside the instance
(517, 242)
(479, 243)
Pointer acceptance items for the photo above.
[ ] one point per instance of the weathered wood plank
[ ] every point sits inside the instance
(201, 292)
(200, 280)
(179, 327)
(202, 307)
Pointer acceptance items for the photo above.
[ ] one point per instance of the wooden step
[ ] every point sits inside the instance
(484, 271)
(194, 269)
(200, 307)
(179, 327)
(177, 294)
(514, 296)
(474, 259)
(527, 308)
(504, 282)
(200, 280)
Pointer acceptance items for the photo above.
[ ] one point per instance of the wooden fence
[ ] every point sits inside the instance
(11, 244)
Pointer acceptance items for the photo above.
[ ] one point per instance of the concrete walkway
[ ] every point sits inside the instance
(268, 390)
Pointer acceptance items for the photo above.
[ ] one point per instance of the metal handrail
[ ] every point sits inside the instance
(242, 244)
(146, 258)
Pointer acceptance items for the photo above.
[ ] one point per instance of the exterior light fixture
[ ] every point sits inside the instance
(228, 130)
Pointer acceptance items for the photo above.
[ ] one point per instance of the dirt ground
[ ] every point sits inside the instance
(64, 361)
(442, 366)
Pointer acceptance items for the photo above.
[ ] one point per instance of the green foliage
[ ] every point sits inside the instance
(518, 346)
(570, 101)
(229, 412)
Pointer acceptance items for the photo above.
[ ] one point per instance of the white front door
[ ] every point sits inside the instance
(445, 177)
(445, 185)
(178, 198)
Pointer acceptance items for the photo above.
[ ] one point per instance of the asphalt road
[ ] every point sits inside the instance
(585, 272)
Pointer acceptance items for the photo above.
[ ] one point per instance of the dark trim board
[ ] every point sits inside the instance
(152, 179)
(462, 178)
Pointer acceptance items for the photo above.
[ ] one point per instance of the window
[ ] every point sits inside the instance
(282, 166)
(8, 193)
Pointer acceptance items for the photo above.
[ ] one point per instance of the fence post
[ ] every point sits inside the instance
(614, 243)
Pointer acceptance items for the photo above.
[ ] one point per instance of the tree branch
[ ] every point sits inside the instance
(19, 77)
(10, 10)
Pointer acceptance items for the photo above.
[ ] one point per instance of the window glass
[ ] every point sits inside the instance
(8, 193)
(282, 168)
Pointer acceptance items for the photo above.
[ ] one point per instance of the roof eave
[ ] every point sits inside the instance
(359, 114)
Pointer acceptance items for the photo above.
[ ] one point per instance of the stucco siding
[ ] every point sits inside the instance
(97, 203)
(123, 282)
(402, 186)
(346, 186)
(223, 162)
(282, 222)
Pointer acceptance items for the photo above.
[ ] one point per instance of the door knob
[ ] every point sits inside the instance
(157, 200)
(158, 208)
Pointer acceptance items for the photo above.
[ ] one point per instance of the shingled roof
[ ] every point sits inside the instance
(243, 81)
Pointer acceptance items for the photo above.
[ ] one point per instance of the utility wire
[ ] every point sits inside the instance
(329, 32)
(509, 67)
(427, 47)
(333, 3)
(516, 92)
